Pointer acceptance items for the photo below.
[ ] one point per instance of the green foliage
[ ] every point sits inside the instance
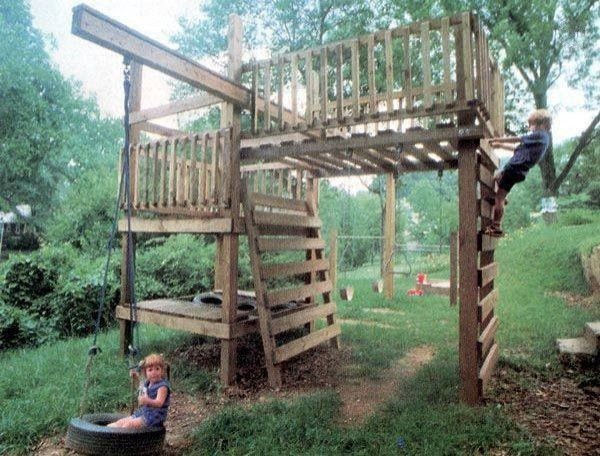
(53, 293)
(85, 217)
(48, 131)
(174, 266)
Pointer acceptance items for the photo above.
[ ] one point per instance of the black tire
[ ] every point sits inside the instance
(90, 435)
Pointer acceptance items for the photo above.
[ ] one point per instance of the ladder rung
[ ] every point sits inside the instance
(278, 297)
(262, 218)
(269, 271)
(260, 199)
(270, 245)
(301, 317)
(307, 342)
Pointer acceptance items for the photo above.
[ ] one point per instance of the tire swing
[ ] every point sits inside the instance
(89, 434)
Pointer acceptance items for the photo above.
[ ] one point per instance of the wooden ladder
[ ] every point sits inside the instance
(286, 291)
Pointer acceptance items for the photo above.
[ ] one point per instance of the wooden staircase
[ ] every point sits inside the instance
(290, 271)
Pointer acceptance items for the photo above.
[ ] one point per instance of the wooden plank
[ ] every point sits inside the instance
(274, 218)
(155, 174)
(486, 177)
(487, 273)
(202, 184)
(294, 88)
(255, 108)
(308, 68)
(487, 368)
(96, 27)
(204, 327)
(425, 53)
(487, 305)
(271, 245)
(467, 55)
(186, 104)
(305, 343)
(283, 296)
(280, 74)
(163, 175)
(486, 339)
(407, 72)
(192, 189)
(172, 174)
(165, 225)
(448, 98)
(267, 99)
(260, 199)
(301, 317)
(468, 286)
(488, 243)
(339, 81)
(354, 61)
(268, 340)
(389, 71)
(453, 268)
(323, 86)
(361, 142)
(277, 270)
(371, 74)
(214, 184)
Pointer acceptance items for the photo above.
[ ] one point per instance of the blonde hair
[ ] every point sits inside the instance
(155, 359)
(541, 118)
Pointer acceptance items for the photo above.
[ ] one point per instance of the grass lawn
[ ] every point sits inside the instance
(40, 389)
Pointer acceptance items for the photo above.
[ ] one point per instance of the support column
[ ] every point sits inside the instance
(135, 101)
(468, 281)
(226, 260)
(389, 236)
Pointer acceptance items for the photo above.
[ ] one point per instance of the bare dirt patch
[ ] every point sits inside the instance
(577, 300)
(561, 412)
(361, 398)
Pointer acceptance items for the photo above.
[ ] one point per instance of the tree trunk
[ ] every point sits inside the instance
(547, 165)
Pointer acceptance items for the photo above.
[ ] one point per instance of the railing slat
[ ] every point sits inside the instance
(355, 79)
(371, 73)
(446, 59)
(407, 79)
(280, 94)
(294, 87)
(308, 68)
(323, 85)
(267, 95)
(425, 49)
(156, 175)
(389, 71)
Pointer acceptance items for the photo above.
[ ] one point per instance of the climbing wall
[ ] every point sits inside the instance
(291, 277)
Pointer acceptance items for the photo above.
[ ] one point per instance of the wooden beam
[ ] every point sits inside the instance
(106, 32)
(360, 142)
(186, 104)
(160, 130)
(173, 225)
(468, 291)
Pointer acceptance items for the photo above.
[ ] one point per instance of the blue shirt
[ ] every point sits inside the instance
(155, 416)
(530, 151)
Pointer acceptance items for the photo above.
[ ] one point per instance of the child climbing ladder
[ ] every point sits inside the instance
(528, 151)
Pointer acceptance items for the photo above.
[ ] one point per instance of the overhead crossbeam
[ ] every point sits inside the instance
(106, 32)
(304, 149)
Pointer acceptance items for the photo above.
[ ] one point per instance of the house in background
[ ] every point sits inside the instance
(16, 230)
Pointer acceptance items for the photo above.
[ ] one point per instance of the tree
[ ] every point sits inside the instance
(48, 132)
(543, 40)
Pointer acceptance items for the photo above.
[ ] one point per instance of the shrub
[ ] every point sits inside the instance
(576, 217)
(175, 266)
(26, 279)
(18, 328)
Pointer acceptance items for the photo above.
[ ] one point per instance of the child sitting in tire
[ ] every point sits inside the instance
(154, 396)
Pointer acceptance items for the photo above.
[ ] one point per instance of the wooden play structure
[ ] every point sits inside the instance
(426, 96)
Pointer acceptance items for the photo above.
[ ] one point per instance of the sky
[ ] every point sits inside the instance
(100, 71)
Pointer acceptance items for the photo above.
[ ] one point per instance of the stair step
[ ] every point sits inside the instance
(592, 334)
(578, 346)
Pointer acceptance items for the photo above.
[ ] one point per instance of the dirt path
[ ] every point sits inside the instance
(361, 398)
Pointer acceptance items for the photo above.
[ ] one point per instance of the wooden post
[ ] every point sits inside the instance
(333, 240)
(389, 236)
(227, 265)
(135, 101)
(453, 268)
(468, 288)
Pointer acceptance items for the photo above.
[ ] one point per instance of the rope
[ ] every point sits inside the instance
(95, 349)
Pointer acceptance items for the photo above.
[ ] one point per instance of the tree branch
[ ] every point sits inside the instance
(584, 140)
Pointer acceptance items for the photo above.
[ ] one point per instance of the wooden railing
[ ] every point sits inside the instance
(429, 68)
(284, 182)
(186, 175)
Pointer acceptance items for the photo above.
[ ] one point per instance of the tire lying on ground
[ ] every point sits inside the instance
(90, 435)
